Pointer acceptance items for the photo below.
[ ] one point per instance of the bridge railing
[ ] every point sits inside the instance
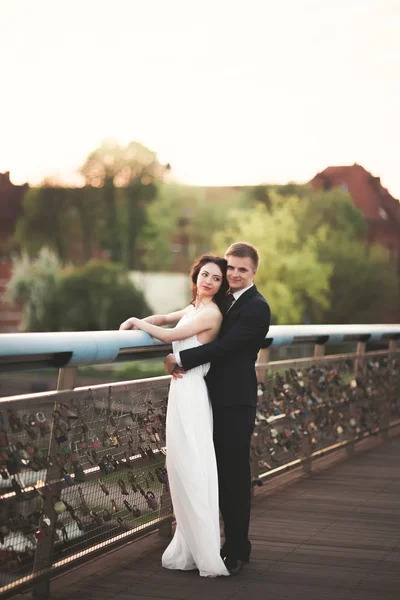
(83, 469)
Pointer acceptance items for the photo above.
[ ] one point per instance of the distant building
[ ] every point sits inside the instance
(380, 208)
(11, 209)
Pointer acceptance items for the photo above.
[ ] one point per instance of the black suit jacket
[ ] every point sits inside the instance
(231, 380)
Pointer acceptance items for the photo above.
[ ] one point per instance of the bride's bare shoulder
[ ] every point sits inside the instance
(214, 312)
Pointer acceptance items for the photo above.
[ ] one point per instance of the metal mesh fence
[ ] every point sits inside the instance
(78, 470)
(306, 406)
(82, 469)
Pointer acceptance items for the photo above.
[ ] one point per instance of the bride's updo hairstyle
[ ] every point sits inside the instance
(195, 270)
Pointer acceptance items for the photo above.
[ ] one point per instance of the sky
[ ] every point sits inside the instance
(229, 92)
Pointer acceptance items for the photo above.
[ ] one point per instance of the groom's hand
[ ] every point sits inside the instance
(172, 368)
(178, 372)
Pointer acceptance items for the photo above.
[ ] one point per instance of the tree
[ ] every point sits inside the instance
(181, 222)
(54, 298)
(316, 265)
(98, 296)
(49, 220)
(363, 281)
(87, 202)
(33, 285)
(135, 168)
(363, 284)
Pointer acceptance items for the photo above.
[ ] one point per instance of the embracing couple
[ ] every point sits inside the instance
(211, 409)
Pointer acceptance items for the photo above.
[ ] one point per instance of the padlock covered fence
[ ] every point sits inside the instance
(83, 469)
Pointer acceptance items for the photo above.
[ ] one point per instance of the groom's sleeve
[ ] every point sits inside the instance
(250, 327)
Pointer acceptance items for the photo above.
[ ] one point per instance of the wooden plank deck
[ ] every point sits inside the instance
(332, 535)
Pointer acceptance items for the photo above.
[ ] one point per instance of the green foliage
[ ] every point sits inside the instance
(363, 284)
(98, 296)
(125, 371)
(315, 263)
(334, 210)
(67, 220)
(363, 281)
(33, 286)
(181, 223)
(135, 168)
(48, 219)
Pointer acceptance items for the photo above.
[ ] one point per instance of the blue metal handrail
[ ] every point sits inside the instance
(72, 349)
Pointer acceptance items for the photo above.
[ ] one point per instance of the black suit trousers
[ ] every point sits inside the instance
(233, 427)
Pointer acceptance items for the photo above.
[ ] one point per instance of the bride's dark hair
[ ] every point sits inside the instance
(195, 270)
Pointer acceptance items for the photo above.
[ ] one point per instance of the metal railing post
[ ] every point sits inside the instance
(359, 362)
(319, 352)
(261, 370)
(44, 549)
(387, 404)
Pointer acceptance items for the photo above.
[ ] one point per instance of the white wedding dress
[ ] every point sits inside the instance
(192, 473)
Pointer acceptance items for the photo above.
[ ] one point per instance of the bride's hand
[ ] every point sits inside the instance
(130, 323)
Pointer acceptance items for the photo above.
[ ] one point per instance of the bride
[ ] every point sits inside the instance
(191, 464)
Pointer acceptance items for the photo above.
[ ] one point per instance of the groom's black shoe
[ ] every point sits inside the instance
(233, 565)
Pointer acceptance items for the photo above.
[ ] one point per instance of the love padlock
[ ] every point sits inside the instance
(136, 511)
(104, 488)
(67, 478)
(128, 505)
(106, 515)
(96, 517)
(108, 441)
(58, 505)
(77, 520)
(74, 456)
(14, 422)
(32, 421)
(13, 462)
(83, 507)
(116, 439)
(149, 452)
(128, 462)
(129, 437)
(43, 424)
(155, 434)
(151, 500)
(96, 442)
(28, 428)
(79, 472)
(132, 481)
(61, 439)
(122, 487)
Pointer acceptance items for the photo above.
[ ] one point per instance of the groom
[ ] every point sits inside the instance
(232, 386)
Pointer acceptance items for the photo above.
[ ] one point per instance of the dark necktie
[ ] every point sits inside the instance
(229, 300)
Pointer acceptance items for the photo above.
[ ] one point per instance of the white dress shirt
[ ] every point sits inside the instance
(236, 296)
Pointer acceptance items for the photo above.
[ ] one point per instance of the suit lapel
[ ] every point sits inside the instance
(243, 299)
(231, 315)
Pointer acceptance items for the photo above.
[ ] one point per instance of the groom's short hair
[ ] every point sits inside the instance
(243, 250)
